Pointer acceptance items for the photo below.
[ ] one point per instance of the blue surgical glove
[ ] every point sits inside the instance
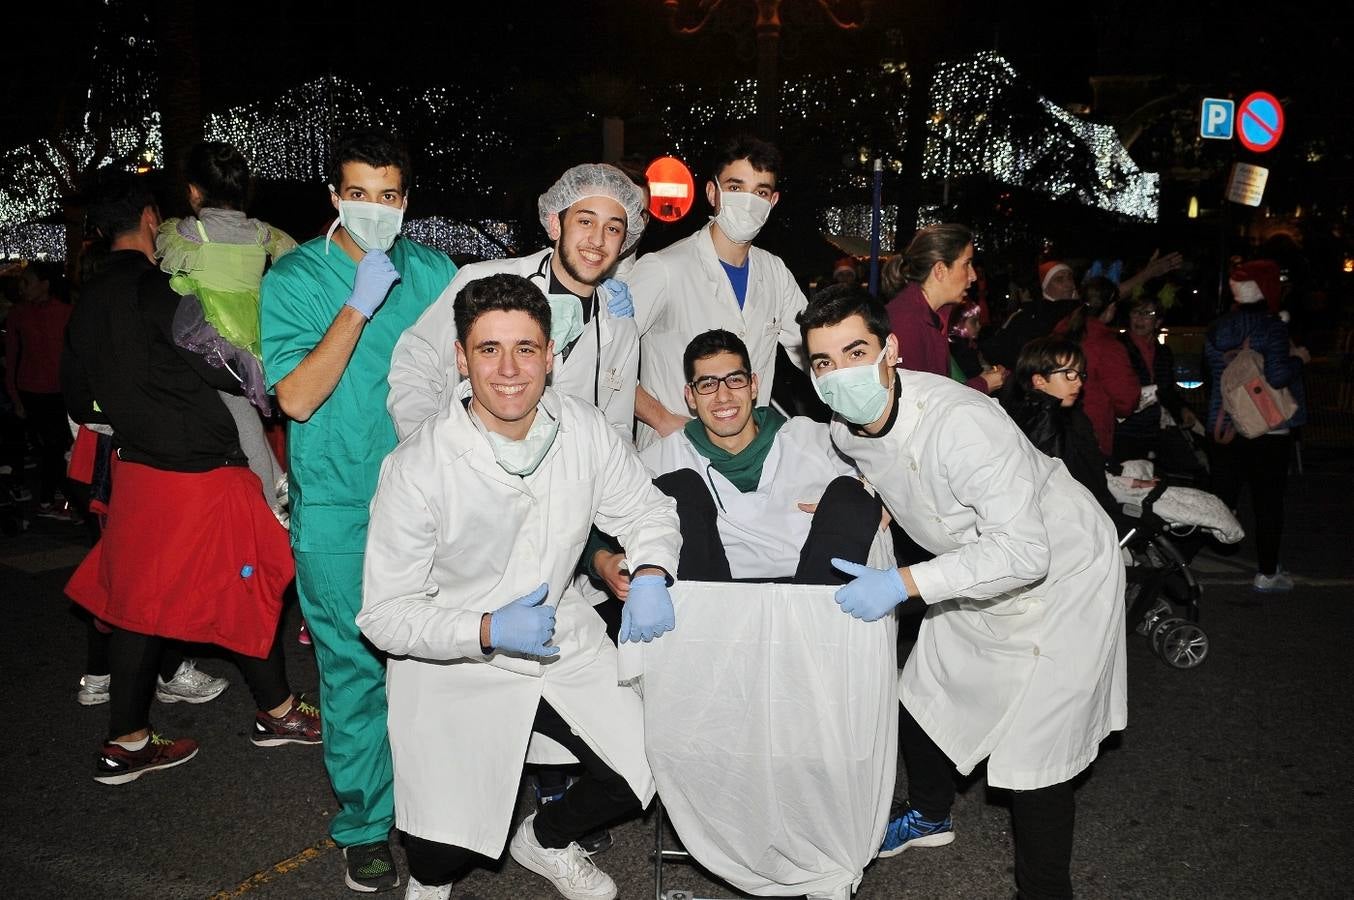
(375, 274)
(524, 625)
(648, 610)
(621, 305)
(874, 592)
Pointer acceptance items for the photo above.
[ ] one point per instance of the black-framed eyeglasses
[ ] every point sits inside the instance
(734, 381)
(1145, 313)
(1069, 373)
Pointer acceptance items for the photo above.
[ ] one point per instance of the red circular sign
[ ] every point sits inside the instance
(671, 188)
(1259, 122)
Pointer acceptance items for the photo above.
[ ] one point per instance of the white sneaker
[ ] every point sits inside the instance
(189, 685)
(93, 690)
(1277, 583)
(571, 870)
(417, 891)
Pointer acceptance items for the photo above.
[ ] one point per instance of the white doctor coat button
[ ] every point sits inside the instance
(912, 465)
(1036, 649)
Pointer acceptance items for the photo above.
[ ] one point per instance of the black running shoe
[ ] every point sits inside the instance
(371, 868)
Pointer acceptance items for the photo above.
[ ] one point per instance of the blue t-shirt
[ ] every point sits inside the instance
(738, 277)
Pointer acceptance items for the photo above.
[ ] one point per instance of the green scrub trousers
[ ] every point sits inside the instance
(352, 697)
(334, 460)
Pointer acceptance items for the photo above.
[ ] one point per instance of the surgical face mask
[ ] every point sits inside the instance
(372, 226)
(524, 457)
(566, 319)
(855, 394)
(741, 215)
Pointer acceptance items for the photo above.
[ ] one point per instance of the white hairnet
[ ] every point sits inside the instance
(593, 180)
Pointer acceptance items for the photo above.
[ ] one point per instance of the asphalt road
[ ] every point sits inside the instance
(1232, 779)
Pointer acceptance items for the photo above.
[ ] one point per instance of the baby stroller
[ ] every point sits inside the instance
(1161, 592)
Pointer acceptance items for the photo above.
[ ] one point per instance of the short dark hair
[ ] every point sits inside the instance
(1044, 354)
(1143, 301)
(501, 292)
(114, 202)
(763, 155)
(710, 343)
(220, 172)
(838, 302)
(378, 149)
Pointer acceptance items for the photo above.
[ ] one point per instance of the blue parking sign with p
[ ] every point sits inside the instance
(1216, 119)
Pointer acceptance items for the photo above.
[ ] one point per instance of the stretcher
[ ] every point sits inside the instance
(771, 727)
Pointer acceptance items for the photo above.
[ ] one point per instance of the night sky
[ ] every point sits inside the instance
(1298, 50)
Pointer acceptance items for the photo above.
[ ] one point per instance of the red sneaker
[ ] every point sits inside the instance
(300, 725)
(118, 765)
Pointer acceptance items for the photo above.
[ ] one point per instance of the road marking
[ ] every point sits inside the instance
(263, 876)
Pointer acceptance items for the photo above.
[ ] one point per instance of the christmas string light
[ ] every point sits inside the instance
(854, 221)
(987, 121)
(33, 240)
(482, 239)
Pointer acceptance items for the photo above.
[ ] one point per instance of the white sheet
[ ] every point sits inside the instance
(771, 726)
(1179, 505)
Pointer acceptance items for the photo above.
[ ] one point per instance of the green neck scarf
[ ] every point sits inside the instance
(744, 470)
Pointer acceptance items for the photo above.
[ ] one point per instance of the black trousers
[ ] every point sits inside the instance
(1262, 465)
(135, 659)
(1043, 818)
(844, 526)
(596, 799)
(98, 661)
(51, 436)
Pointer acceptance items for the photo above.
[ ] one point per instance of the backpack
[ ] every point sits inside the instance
(1254, 406)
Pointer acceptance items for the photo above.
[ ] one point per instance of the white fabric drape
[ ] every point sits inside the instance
(771, 726)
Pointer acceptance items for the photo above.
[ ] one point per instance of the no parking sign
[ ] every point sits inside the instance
(1259, 122)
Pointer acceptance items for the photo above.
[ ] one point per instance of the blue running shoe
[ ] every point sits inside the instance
(911, 830)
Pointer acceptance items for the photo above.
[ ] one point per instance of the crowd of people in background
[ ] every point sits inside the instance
(509, 464)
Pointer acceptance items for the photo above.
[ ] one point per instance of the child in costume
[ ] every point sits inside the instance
(216, 258)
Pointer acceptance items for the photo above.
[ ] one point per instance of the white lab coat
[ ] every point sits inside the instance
(423, 364)
(1020, 658)
(764, 530)
(454, 536)
(682, 291)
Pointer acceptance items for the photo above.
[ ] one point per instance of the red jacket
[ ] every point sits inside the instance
(34, 336)
(1112, 388)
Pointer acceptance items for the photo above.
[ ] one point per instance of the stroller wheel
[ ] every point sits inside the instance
(1158, 633)
(1160, 610)
(1184, 646)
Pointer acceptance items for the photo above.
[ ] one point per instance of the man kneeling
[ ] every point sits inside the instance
(760, 498)
(490, 500)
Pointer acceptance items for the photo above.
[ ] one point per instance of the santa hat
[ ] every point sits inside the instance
(1255, 281)
(1048, 269)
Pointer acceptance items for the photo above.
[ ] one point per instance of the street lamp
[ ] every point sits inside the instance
(688, 17)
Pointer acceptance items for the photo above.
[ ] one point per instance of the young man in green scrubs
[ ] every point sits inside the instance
(331, 312)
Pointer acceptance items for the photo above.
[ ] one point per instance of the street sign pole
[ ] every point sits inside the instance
(875, 219)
